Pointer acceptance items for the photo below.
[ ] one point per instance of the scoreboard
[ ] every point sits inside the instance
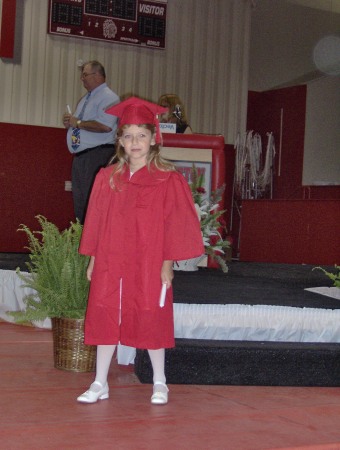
(133, 22)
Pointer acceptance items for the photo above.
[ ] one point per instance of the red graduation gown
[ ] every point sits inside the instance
(131, 231)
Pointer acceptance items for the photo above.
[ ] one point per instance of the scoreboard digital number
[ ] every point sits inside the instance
(134, 22)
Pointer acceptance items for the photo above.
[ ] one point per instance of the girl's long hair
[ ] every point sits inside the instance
(121, 160)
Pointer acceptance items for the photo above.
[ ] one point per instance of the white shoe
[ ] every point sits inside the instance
(160, 394)
(96, 392)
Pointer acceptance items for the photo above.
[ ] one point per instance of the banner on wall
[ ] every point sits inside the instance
(132, 22)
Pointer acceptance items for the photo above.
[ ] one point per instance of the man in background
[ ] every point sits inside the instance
(90, 133)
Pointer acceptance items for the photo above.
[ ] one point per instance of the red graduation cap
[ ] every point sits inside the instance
(135, 111)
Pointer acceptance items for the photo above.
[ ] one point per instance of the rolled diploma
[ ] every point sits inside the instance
(162, 296)
(68, 109)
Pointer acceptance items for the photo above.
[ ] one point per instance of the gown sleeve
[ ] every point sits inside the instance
(182, 232)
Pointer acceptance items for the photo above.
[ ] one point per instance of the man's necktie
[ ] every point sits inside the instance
(75, 131)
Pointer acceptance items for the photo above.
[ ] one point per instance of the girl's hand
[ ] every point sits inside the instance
(90, 268)
(167, 273)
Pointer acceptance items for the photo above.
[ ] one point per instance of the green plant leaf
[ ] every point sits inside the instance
(56, 272)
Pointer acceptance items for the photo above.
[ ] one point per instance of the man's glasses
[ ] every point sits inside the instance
(84, 75)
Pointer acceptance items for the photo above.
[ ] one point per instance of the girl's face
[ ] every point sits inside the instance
(136, 142)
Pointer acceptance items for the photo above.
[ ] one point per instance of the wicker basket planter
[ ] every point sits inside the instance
(57, 279)
(70, 352)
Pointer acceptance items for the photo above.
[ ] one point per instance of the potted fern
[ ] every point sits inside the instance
(335, 277)
(57, 277)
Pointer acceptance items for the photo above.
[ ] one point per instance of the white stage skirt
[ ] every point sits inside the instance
(212, 321)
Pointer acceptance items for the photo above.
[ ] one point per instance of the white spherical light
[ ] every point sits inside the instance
(326, 55)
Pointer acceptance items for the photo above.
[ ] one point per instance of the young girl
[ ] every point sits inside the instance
(140, 219)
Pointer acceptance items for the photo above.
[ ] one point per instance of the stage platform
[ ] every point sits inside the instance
(254, 284)
(274, 332)
(291, 358)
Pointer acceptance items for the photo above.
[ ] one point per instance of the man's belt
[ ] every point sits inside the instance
(83, 152)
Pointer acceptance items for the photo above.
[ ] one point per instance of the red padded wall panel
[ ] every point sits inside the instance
(291, 231)
(34, 165)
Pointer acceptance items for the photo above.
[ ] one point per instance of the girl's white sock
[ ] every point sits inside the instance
(104, 357)
(157, 358)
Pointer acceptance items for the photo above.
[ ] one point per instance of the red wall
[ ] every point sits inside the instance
(291, 231)
(34, 165)
(264, 115)
(285, 230)
(7, 28)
